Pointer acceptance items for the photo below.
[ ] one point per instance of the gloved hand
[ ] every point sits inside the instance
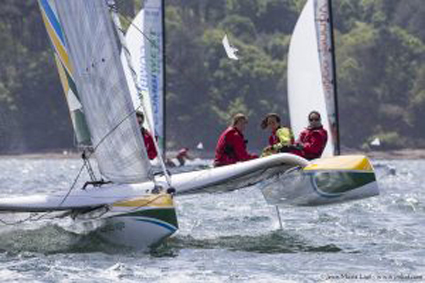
(298, 146)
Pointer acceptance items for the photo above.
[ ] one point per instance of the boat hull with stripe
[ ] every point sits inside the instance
(138, 223)
(323, 181)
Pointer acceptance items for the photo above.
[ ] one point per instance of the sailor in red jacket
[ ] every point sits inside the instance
(147, 137)
(182, 155)
(312, 141)
(281, 138)
(231, 146)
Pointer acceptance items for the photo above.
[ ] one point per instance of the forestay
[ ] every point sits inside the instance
(310, 74)
(103, 88)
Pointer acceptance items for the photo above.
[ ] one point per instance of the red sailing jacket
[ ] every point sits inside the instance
(231, 148)
(313, 141)
(182, 153)
(149, 144)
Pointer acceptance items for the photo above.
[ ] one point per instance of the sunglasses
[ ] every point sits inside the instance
(314, 119)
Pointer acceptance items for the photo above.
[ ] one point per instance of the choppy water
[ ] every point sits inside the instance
(233, 237)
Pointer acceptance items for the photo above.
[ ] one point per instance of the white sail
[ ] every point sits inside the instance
(154, 50)
(230, 50)
(105, 96)
(136, 46)
(65, 68)
(305, 86)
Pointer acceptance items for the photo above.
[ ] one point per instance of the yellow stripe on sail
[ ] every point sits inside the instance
(346, 162)
(62, 75)
(60, 50)
(160, 200)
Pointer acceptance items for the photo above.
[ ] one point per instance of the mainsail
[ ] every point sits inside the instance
(94, 52)
(311, 83)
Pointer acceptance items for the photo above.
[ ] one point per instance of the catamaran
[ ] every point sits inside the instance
(129, 204)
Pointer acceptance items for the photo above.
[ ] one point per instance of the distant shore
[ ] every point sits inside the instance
(408, 153)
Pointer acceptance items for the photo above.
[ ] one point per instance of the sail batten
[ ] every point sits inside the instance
(102, 86)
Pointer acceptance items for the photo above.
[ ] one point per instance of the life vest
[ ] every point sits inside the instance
(231, 148)
(149, 144)
(313, 142)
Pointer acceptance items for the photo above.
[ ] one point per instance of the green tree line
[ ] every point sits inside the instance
(380, 71)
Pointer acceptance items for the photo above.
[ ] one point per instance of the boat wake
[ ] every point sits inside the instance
(53, 239)
(274, 242)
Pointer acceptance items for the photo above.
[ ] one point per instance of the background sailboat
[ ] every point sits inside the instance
(311, 74)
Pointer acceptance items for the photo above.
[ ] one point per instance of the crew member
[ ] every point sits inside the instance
(281, 137)
(147, 137)
(312, 140)
(182, 155)
(231, 146)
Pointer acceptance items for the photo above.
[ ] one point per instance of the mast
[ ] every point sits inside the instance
(337, 145)
(164, 82)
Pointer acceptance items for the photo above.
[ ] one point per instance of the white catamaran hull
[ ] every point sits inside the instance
(140, 223)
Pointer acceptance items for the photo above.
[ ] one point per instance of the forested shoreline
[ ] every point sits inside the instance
(380, 54)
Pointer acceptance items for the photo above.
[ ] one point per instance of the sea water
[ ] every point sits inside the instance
(229, 237)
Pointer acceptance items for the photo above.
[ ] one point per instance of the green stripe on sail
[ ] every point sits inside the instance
(81, 129)
(79, 123)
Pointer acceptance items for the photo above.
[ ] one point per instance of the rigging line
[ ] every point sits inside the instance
(33, 216)
(112, 130)
(120, 32)
(73, 185)
(129, 21)
(88, 166)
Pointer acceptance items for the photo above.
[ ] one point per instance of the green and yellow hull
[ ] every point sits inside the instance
(140, 222)
(324, 181)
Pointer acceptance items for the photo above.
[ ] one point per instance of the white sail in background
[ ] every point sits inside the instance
(136, 47)
(154, 50)
(105, 95)
(376, 142)
(230, 50)
(200, 146)
(305, 86)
